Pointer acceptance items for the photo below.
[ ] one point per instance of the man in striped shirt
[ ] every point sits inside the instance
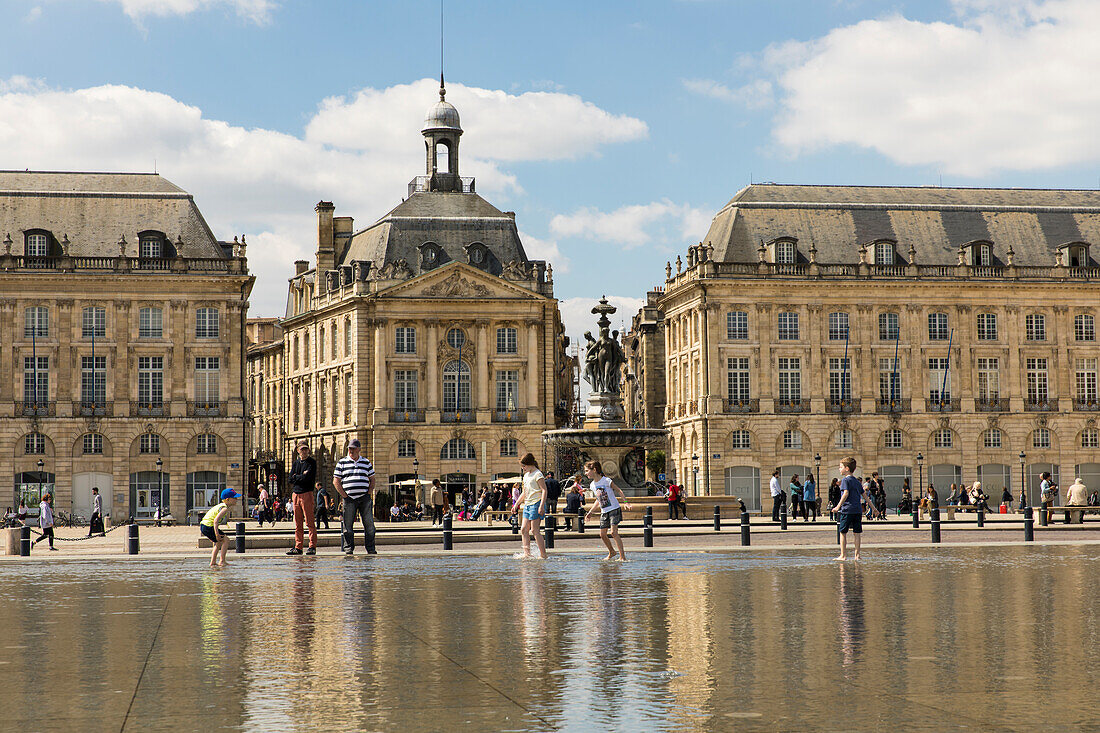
(353, 479)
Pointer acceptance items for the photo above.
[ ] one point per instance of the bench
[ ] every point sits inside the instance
(1079, 511)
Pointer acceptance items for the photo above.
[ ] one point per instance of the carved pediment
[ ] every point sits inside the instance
(454, 285)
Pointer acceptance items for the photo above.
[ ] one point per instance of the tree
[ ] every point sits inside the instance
(655, 462)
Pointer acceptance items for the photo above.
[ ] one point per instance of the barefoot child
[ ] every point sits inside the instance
(849, 507)
(534, 501)
(610, 511)
(209, 528)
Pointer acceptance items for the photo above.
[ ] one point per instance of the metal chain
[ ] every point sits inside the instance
(77, 539)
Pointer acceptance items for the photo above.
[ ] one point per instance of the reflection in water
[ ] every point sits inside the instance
(678, 642)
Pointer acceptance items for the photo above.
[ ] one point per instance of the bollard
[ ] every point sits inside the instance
(580, 524)
(783, 519)
(1042, 517)
(132, 545)
(240, 538)
(935, 526)
(981, 516)
(916, 516)
(1029, 526)
(647, 527)
(551, 525)
(448, 535)
(25, 542)
(717, 518)
(744, 529)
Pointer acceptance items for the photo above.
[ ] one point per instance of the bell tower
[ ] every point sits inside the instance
(442, 131)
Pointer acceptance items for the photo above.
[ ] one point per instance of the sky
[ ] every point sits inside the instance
(615, 130)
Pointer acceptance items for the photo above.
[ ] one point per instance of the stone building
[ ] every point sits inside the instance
(937, 332)
(429, 335)
(266, 400)
(123, 343)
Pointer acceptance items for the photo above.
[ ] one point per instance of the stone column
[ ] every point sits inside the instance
(482, 368)
(118, 362)
(62, 368)
(9, 358)
(431, 378)
(765, 383)
(534, 409)
(379, 365)
(1063, 386)
(176, 359)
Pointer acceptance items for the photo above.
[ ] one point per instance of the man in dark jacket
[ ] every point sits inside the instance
(303, 475)
(574, 504)
(553, 492)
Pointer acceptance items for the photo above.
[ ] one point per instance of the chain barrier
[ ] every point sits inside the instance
(75, 539)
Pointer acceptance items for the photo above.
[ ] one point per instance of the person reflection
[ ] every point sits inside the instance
(853, 626)
(302, 610)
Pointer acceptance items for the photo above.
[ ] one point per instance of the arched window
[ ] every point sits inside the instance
(845, 439)
(456, 386)
(792, 440)
(1090, 438)
(992, 438)
(347, 337)
(942, 438)
(442, 157)
(741, 440)
(893, 438)
(1040, 438)
(321, 345)
(884, 253)
(458, 449)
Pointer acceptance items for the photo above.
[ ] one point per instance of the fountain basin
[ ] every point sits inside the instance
(617, 449)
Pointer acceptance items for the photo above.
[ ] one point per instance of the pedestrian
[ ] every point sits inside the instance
(553, 492)
(534, 501)
(849, 508)
(439, 502)
(95, 524)
(156, 515)
(809, 497)
(795, 487)
(778, 497)
(210, 526)
(1006, 500)
(303, 480)
(834, 495)
(353, 480)
(1094, 498)
(681, 501)
(673, 501)
(574, 503)
(1048, 494)
(9, 518)
(45, 519)
(611, 512)
(21, 513)
(323, 507)
(265, 506)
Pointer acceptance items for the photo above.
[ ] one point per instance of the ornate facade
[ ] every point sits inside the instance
(122, 338)
(948, 334)
(429, 335)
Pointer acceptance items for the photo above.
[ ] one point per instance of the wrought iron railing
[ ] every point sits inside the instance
(890, 406)
(742, 406)
(1047, 405)
(788, 406)
(407, 415)
(948, 405)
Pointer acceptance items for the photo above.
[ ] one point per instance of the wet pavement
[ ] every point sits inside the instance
(969, 638)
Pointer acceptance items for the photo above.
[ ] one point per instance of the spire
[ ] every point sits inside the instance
(442, 88)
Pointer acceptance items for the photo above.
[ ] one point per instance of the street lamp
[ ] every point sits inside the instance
(817, 483)
(416, 478)
(160, 487)
(1023, 483)
(695, 473)
(41, 478)
(920, 486)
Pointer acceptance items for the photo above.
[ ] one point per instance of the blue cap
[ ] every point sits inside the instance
(230, 494)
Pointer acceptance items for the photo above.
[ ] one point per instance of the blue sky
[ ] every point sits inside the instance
(615, 130)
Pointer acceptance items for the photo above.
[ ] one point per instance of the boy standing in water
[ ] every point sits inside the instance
(210, 529)
(610, 511)
(849, 507)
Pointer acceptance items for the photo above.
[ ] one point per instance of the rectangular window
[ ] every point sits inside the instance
(207, 379)
(888, 329)
(937, 327)
(785, 253)
(404, 390)
(151, 381)
(790, 379)
(93, 444)
(989, 379)
(207, 444)
(942, 439)
(892, 438)
(348, 397)
(987, 326)
(36, 322)
(509, 447)
(36, 380)
(1090, 438)
(1035, 327)
(322, 401)
(34, 444)
(788, 326)
(307, 404)
(1037, 380)
(94, 322)
(737, 325)
(150, 323)
(737, 378)
(993, 438)
(1084, 328)
(889, 380)
(840, 380)
(792, 440)
(406, 340)
(207, 325)
(939, 379)
(507, 341)
(93, 380)
(742, 440)
(149, 443)
(507, 389)
(406, 448)
(838, 326)
(38, 245)
(150, 249)
(844, 439)
(1086, 380)
(1040, 438)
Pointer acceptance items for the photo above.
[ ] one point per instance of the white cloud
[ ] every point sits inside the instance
(258, 11)
(545, 249)
(1008, 86)
(635, 225)
(33, 14)
(265, 183)
(757, 93)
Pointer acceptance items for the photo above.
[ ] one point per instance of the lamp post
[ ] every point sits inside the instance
(817, 483)
(920, 473)
(41, 478)
(416, 478)
(1023, 482)
(695, 473)
(160, 486)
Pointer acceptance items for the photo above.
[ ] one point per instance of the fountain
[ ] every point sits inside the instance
(604, 436)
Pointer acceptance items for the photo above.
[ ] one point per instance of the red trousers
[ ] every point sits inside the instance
(303, 507)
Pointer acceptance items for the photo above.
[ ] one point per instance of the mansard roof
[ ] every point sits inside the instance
(95, 210)
(934, 221)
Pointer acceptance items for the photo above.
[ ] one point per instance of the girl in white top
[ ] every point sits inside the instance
(534, 501)
(611, 512)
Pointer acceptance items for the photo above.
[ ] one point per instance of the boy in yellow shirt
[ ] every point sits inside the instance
(209, 526)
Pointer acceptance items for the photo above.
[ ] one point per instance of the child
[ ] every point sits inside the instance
(610, 511)
(208, 526)
(534, 500)
(849, 507)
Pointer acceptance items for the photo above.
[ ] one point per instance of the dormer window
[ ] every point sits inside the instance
(477, 254)
(150, 248)
(431, 256)
(884, 253)
(1077, 254)
(981, 253)
(785, 251)
(37, 245)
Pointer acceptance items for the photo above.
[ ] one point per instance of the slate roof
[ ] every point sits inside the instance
(451, 220)
(935, 221)
(95, 209)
